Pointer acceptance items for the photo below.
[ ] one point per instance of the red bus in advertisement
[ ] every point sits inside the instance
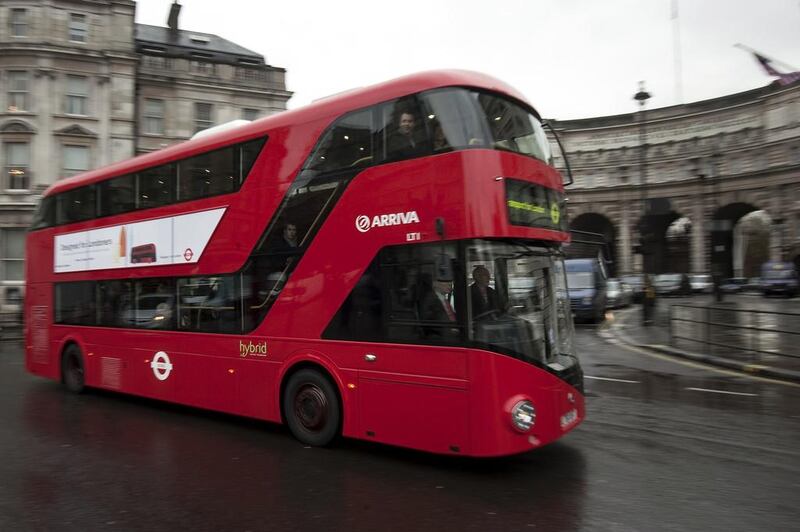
(384, 264)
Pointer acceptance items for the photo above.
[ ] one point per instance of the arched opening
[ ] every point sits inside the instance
(678, 237)
(722, 237)
(591, 222)
(657, 244)
(751, 243)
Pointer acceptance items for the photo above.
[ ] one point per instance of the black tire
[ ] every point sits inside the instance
(72, 373)
(311, 408)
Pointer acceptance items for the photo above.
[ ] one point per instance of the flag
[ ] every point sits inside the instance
(784, 78)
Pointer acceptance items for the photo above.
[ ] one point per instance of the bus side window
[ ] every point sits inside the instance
(156, 186)
(403, 131)
(347, 144)
(208, 174)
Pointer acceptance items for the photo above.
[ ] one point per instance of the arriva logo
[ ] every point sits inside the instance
(249, 348)
(365, 223)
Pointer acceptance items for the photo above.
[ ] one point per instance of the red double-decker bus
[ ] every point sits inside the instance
(384, 264)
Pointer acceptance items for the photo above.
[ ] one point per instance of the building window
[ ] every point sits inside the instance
(250, 114)
(13, 242)
(251, 74)
(77, 27)
(202, 116)
(794, 155)
(203, 67)
(17, 90)
(77, 95)
(76, 160)
(17, 157)
(161, 63)
(19, 22)
(153, 117)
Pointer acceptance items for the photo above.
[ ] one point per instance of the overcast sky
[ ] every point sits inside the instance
(570, 58)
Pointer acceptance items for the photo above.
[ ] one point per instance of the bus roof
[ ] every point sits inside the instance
(331, 107)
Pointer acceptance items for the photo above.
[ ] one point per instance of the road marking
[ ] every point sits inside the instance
(607, 379)
(722, 391)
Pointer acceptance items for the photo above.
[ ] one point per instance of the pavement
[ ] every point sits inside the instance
(756, 356)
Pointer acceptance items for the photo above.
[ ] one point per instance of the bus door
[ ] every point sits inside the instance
(414, 386)
(412, 374)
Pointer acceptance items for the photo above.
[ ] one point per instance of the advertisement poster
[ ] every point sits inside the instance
(163, 241)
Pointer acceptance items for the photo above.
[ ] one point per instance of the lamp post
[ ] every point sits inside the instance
(648, 296)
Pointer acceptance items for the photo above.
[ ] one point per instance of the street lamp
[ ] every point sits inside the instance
(644, 227)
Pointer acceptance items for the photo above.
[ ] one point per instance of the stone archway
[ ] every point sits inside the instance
(678, 245)
(722, 236)
(592, 222)
(751, 243)
(656, 243)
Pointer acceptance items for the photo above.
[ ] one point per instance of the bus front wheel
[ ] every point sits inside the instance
(311, 408)
(72, 369)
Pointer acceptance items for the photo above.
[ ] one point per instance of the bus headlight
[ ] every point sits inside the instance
(523, 415)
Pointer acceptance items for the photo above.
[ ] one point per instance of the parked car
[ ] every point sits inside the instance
(779, 278)
(701, 283)
(586, 282)
(636, 283)
(618, 294)
(733, 285)
(672, 284)
(752, 285)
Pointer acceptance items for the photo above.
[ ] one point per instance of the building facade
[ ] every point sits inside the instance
(82, 85)
(700, 168)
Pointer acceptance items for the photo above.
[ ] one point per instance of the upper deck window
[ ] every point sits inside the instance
(514, 128)
(463, 119)
(431, 122)
(213, 173)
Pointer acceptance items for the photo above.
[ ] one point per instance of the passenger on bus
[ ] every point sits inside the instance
(289, 238)
(440, 143)
(437, 305)
(405, 142)
(484, 298)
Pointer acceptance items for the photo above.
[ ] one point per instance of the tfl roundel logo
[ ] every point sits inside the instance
(363, 223)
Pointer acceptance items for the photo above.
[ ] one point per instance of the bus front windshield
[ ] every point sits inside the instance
(517, 301)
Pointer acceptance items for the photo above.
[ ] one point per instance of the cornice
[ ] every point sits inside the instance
(787, 175)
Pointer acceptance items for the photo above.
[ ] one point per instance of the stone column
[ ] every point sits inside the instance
(624, 245)
(699, 238)
(43, 151)
(102, 109)
(778, 231)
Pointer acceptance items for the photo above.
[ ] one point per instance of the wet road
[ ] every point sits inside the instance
(656, 453)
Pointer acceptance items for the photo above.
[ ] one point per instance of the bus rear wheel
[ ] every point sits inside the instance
(72, 374)
(311, 408)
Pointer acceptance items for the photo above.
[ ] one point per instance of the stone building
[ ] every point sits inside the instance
(82, 85)
(708, 164)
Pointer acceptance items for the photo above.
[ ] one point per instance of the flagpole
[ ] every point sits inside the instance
(676, 39)
(765, 56)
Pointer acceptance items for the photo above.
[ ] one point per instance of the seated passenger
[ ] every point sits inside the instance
(405, 142)
(437, 305)
(483, 298)
(439, 139)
